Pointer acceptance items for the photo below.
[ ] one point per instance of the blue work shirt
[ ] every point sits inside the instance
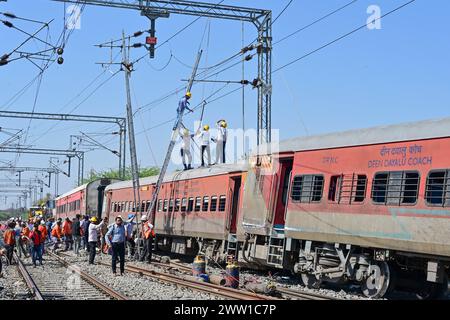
(115, 234)
(129, 227)
(183, 105)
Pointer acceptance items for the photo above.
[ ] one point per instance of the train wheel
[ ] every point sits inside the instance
(433, 291)
(310, 281)
(378, 281)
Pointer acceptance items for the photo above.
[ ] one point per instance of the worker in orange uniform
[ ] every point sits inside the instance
(67, 233)
(149, 234)
(36, 241)
(43, 230)
(9, 240)
(24, 239)
(56, 235)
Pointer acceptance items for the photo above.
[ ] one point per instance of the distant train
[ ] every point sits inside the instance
(86, 199)
(367, 206)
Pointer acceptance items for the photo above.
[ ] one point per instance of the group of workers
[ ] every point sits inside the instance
(204, 136)
(78, 233)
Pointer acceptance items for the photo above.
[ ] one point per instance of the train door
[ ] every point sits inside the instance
(284, 174)
(100, 195)
(235, 191)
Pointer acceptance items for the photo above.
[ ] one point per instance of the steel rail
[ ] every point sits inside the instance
(305, 295)
(201, 286)
(28, 279)
(103, 287)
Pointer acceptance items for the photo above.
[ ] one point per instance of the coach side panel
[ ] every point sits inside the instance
(390, 210)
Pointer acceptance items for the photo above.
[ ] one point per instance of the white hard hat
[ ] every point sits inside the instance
(42, 222)
(144, 218)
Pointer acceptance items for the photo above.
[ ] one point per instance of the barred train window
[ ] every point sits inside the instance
(396, 188)
(438, 188)
(205, 204)
(190, 205)
(307, 188)
(183, 204)
(222, 203)
(177, 205)
(160, 204)
(166, 203)
(347, 188)
(198, 203)
(213, 204)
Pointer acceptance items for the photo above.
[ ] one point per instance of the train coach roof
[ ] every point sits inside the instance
(422, 130)
(184, 175)
(68, 193)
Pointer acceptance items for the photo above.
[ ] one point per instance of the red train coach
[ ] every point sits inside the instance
(370, 206)
(196, 209)
(86, 199)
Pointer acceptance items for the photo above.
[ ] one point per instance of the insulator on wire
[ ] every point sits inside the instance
(4, 57)
(245, 82)
(137, 45)
(8, 24)
(249, 57)
(10, 15)
(138, 34)
(60, 51)
(3, 62)
(60, 60)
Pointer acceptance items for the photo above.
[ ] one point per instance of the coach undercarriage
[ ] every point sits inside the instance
(377, 271)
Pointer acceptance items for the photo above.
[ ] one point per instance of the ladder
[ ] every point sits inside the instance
(171, 145)
(275, 252)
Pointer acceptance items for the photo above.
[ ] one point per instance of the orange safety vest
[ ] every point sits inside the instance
(26, 232)
(67, 228)
(43, 231)
(9, 237)
(57, 232)
(148, 232)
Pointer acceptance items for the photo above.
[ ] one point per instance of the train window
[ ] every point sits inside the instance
(395, 188)
(147, 205)
(222, 203)
(177, 205)
(123, 206)
(190, 205)
(166, 202)
(171, 203)
(205, 204)
(213, 204)
(198, 203)
(143, 206)
(184, 204)
(438, 188)
(160, 204)
(307, 188)
(348, 188)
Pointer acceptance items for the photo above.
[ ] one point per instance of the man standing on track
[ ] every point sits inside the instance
(129, 226)
(9, 240)
(115, 238)
(94, 228)
(76, 234)
(67, 232)
(149, 234)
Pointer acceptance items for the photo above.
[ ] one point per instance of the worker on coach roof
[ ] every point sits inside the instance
(183, 105)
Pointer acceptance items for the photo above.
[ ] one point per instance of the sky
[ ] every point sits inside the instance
(398, 73)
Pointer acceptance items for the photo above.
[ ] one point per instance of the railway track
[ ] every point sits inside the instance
(299, 295)
(58, 280)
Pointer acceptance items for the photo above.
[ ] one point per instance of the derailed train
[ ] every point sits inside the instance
(369, 206)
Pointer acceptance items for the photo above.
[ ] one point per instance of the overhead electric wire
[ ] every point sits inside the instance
(341, 37)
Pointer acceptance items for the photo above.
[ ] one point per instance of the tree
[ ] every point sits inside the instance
(114, 174)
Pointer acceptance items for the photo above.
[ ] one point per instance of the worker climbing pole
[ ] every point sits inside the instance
(178, 124)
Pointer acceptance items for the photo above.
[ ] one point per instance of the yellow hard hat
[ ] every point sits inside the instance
(189, 94)
(186, 132)
(224, 124)
(206, 127)
(94, 219)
